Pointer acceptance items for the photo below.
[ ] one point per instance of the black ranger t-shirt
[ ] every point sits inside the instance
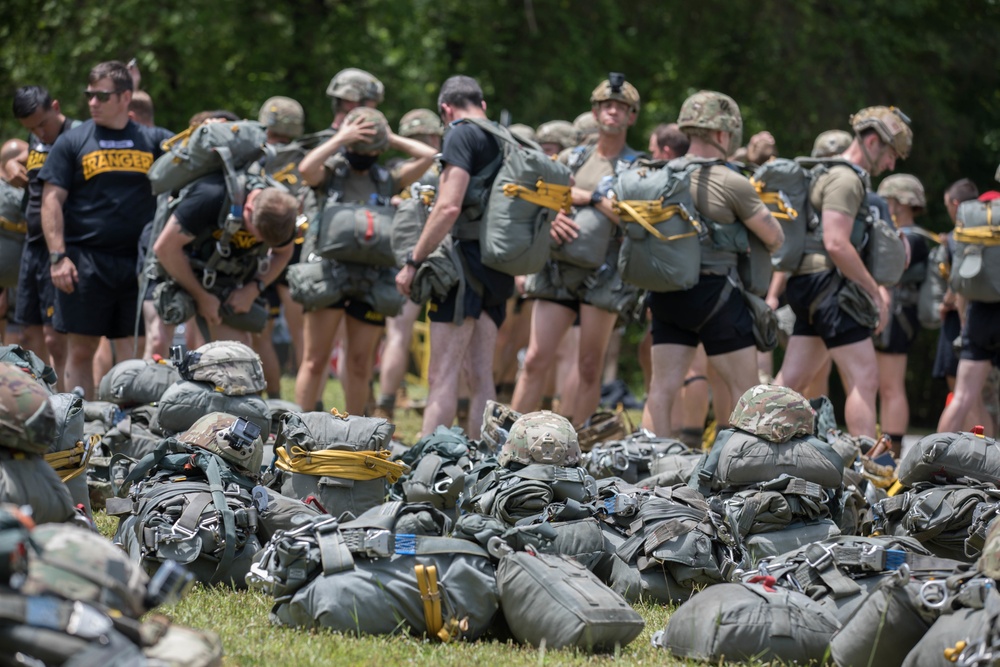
(104, 170)
(201, 209)
(37, 154)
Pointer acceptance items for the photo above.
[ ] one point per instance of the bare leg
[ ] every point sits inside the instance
(894, 409)
(396, 353)
(103, 360)
(159, 336)
(293, 312)
(968, 391)
(596, 329)
(263, 345)
(670, 364)
(320, 326)
(480, 354)
(856, 363)
(690, 411)
(449, 344)
(564, 376)
(79, 372)
(737, 372)
(359, 361)
(549, 323)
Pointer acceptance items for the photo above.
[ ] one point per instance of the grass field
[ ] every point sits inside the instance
(249, 638)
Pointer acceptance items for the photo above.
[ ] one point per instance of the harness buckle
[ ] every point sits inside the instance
(823, 560)
(208, 277)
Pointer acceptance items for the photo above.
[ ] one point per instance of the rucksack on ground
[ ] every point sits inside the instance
(975, 266)
(136, 382)
(528, 191)
(945, 458)
(185, 402)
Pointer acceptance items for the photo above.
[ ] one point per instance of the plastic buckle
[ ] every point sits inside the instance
(224, 250)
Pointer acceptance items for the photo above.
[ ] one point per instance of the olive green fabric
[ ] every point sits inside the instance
(136, 382)
(358, 233)
(316, 284)
(944, 458)
(933, 288)
(948, 632)
(788, 184)
(590, 247)
(197, 156)
(13, 229)
(173, 304)
(556, 602)
(407, 225)
(975, 268)
(885, 254)
(29, 480)
(185, 402)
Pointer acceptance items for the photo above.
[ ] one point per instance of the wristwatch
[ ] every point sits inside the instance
(412, 262)
(56, 257)
(596, 197)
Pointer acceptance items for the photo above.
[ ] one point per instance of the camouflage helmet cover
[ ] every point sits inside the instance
(891, 125)
(904, 188)
(380, 140)
(284, 116)
(774, 413)
(541, 437)
(420, 121)
(831, 142)
(559, 132)
(711, 110)
(586, 126)
(626, 93)
(989, 560)
(77, 564)
(522, 131)
(210, 432)
(27, 419)
(355, 85)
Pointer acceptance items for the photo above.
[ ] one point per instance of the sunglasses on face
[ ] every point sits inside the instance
(101, 95)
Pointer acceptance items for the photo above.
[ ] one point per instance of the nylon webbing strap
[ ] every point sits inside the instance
(779, 200)
(431, 596)
(190, 518)
(335, 555)
(211, 467)
(69, 463)
(548, 195)
(649, 212)
(335, 463)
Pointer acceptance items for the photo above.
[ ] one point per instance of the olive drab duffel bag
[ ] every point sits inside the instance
(661, 249)
(69, 454)
(554, 601)
(185, 402)
(137, 382)
(590, 247)
(783, 185)
(409, 220)
(975, 265)
(317, 284)
(528, 191)
(933, 288)
(944, 458)
(202, 150)
(884, 251)
(13, 230)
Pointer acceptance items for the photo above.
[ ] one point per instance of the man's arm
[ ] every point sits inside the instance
(447, 207)
(169, 249)
(64, 275)
(767, 229)
(311, 166)
(414, 169)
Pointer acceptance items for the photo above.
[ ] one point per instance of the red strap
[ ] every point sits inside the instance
(768, 582)
(370, 232)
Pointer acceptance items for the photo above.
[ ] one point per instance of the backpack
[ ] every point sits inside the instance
(554, 601)
(409, 220)
(590, 248)
(783, 185)
(632, 458)
(944, 458)
(185, 402)
(29, 480)
(520, 203)
(202, 150)
(317, 284)
(136, 382)
(29, 362)
(13, 229)
(438, 463)
(232, 368)
(974, 266)
(933, 288)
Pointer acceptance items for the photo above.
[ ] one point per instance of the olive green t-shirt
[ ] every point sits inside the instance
(728, 196)
(838, 189)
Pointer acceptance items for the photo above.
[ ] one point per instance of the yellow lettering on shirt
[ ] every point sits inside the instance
(36, 160)
(241, 240)
(108, 161)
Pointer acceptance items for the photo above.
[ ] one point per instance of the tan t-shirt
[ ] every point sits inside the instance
(839, 189)
(594, 168)
(728, 196)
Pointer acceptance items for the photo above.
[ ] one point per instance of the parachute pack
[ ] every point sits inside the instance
(975, 269)
(13, 229)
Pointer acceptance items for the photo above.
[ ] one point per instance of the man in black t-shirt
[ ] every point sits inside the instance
(95, 202)
(468, 152)
(189, 239)
(38, 113)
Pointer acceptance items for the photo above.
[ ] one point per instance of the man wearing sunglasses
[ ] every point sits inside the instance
(95, 202)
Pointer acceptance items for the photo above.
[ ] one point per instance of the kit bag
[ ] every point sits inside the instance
(661, 248)
(554, 601)
(13, 230)
(184, 403)
(358, 233)
(317, 284)
(944, 458)
(26, 479)
(196, 152)
(633, 458)
(783, 185)
(749, 622)
(136, 382)
(793, 536)
(933, 288)
(975, 265)
(590, 247)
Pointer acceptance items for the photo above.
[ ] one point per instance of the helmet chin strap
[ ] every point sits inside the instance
(864, 150)
(722, 149)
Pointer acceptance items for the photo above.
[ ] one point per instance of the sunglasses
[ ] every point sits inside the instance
(101, 95)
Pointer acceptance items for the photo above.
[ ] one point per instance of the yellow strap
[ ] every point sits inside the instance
(987, 236)
(784, 212)
(430, 594)
(896, 489)
(648, 212)
(181, 137)
(71, 462)
(11, 226)
(338, 463)
(550, 195)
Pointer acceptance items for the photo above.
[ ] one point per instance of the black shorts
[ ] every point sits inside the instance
(981, 337)
(282, 279)
(828, 320)
(36, 295)
(104, 301)
(361, 311)
(682, 318)
(273, 301)
(572, 304)
(946, 359)
(903, 330)
(497, 287)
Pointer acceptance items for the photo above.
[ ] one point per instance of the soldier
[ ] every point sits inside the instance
(41, 115)
(906, 198)
(711, 312)
(556, 136)
(615, 105)
(586, 127)
(350, 88)
(467, 151)
(13, 158)
(668, 142)
(881, 136)
(345, 166)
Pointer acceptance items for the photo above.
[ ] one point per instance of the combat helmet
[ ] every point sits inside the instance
(586, 127)
(75, 563)
(375, 143)
(420, 121)
(830, 143)
(27, 419)
(283, 115)
(541, 437)
(559, 132)
(615, 87)
(891, 125)
(235, 439)
(904, 188)
(774, 413)
(711, 110)
(355, 85)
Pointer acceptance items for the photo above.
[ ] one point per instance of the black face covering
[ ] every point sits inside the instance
(360, 162)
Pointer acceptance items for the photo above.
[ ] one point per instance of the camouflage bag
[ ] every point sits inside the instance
(944, 458)
(317, 284)
(554, 601)
(749, 622)
(27, 418)
(13, 230)
(232, 368)
(137, 382)
(202, 150)
(974, 263)
(185, 402)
